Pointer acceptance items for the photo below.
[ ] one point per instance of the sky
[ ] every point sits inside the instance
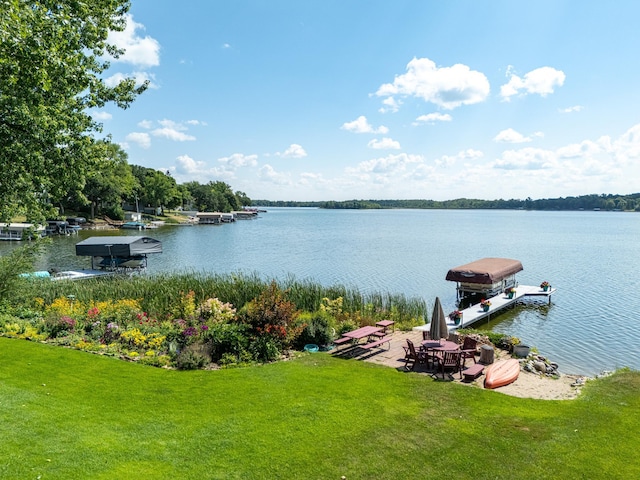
(424, 99)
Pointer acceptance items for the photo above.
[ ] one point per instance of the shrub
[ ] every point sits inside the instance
(347, 326)
(228, 339)
(59, 327)
(193, 357)
(272, 315)
(316, 329)
(265, 349)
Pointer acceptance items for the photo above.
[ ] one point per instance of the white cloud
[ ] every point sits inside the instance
(361, 125)
(586, 148)
(390, 104)
(432, 118)
(447, 87)
(575, 108)
(169, 129)
(139, 51)
(188, 169)
(139, 77)
(511, 136)
(388, 164)
(384, 144)
(187, 165)
(468, 154)
(172, 134)
(240, 160)
(294, 151)
(627, 148)
(102, 115)
(526, 159)
(269, 174)
(142, 139)
(542, 81)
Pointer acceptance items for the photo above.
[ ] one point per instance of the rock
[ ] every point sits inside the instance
(540, 366)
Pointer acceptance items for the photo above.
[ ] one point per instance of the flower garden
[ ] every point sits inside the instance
(162, 321)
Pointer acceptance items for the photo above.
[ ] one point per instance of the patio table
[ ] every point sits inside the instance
(434, 347)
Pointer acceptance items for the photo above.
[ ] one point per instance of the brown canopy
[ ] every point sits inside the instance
(486, 270)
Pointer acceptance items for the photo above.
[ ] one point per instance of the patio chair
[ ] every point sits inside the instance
(449, 359)
(411, 354)
(469, 350)
(426, 335)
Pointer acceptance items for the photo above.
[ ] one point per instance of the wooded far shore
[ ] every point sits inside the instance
(604, 202)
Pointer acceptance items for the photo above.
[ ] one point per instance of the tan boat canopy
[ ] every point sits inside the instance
(485, 271)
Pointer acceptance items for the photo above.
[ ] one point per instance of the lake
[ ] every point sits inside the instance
(590, 257)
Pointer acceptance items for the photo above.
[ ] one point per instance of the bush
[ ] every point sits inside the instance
(316, 329)
(272, 315)
(265, 349)
(192, 358)
(227, 339)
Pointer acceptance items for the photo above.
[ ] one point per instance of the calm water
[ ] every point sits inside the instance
(590, 257)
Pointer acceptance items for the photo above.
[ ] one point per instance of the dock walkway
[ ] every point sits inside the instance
(475, 313)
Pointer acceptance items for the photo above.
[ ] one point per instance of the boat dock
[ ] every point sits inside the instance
(475, 313)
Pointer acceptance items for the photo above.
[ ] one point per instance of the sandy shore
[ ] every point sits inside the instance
(528, 385)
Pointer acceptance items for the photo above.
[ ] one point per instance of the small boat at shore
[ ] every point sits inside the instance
(501, 373)
(133, 225)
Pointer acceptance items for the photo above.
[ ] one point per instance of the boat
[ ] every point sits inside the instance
(20, 231)
(134, 225)
(58, 227)
(67, 275)
(501, 373)
(246, 214)
(485, 278)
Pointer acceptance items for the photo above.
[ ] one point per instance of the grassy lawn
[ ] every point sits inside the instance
(70, 414)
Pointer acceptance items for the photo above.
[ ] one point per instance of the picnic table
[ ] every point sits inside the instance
(375, 337)
(363, 332)
(386, 324)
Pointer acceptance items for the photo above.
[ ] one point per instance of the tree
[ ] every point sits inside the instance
(160, 189)
(111, 183)
(215, 197)
(51, 61)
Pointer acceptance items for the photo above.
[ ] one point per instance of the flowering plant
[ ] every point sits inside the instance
(510, 290)
(455, 314)
(545, 284)
(485, 303)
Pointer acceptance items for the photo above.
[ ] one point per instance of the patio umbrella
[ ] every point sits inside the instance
(438, 328)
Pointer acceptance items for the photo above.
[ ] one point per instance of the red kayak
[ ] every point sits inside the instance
(501, 373)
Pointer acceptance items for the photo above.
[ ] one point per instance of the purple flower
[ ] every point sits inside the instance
(189, 332)
(204, 328)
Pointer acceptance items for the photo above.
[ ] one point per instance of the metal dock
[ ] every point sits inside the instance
(475, 313)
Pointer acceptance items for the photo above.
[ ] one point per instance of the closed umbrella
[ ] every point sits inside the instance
(438, 328)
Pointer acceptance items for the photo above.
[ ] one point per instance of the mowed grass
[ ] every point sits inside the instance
(70, 414)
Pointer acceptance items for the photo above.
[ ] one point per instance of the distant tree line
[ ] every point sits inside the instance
(116, 185)
(609, 202)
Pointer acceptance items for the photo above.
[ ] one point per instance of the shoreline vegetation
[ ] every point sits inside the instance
(594, 202)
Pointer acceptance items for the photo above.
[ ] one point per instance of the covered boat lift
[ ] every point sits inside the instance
(118, 253)
(486, 277)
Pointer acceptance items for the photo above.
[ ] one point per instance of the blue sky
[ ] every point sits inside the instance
(337, 100)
